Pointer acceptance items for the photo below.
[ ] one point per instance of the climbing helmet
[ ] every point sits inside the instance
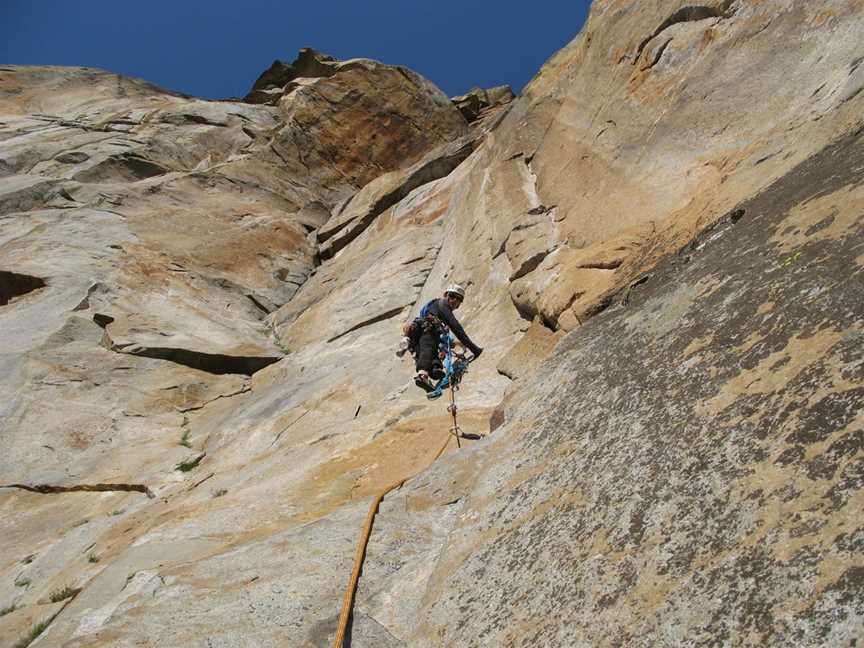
(455, 289)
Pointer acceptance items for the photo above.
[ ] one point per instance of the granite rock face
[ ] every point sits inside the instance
(346, 123)
(654, 122)
(661, 240)
(703, 488)
(146, 237)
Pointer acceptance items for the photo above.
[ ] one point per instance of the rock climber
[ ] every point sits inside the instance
(422, 335)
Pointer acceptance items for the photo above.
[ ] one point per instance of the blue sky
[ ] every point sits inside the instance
(217, 49)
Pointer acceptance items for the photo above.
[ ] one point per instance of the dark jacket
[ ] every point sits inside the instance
(441, 309)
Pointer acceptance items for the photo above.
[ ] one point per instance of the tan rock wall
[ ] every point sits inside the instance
(179, 239)
(624, 152)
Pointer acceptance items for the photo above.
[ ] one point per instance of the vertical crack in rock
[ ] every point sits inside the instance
(523, 265)
(529, 182)
(14, 285)
(428, 273)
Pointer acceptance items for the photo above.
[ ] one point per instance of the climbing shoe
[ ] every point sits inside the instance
(423, 381)
(404, 345)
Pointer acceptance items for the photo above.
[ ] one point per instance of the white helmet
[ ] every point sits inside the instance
(455, 289)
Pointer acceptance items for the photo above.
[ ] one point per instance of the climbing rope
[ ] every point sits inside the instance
(454, 378)
(360, 555)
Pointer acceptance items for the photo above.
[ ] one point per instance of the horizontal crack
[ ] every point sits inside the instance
(75, 124)
(47, 489)
(181, 119)
(245, 389)
(13, 284)
(378, 318)
(685, 14)
(214, 363)
(530, 264)
(601, 265)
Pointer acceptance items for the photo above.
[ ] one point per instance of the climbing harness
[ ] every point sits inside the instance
(455, 366)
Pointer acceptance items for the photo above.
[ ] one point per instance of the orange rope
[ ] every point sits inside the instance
(348, 600)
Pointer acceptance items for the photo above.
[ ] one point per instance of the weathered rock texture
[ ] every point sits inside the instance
(478, 103)
(662, 243)
(704, 488)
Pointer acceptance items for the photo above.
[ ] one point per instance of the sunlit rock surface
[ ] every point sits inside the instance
(661, 240)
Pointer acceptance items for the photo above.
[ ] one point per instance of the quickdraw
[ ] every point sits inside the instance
(455, 367)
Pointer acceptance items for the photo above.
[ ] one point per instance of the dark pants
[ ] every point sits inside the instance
(427, 353)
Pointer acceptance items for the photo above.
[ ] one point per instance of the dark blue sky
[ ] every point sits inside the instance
(217, 49)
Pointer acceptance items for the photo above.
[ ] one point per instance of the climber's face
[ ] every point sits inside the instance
(453, 300)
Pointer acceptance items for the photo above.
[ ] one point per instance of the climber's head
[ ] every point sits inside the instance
(454, 295)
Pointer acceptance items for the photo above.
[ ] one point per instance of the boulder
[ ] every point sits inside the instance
(478, 102)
